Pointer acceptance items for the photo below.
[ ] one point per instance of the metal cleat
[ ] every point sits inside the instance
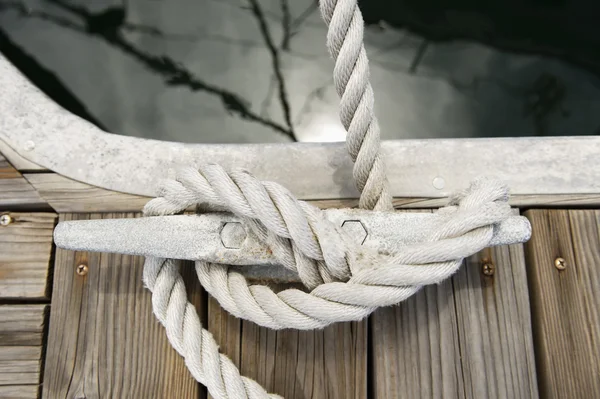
(224, 238)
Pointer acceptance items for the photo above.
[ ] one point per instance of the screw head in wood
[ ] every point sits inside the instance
(82, 270)
(560, 263)
(5, 220)
(488, 268)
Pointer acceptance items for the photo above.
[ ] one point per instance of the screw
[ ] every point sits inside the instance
(5, 220)
(82, 270)
(488, 268)
(560, 263)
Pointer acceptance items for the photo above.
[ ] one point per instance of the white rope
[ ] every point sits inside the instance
(346, 282)
(351, 80)
(358, 282)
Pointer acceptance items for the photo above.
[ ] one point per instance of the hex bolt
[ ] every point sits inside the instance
(82, 270)
(356, 230)
(488, 268)
(233, 235)
(560, 263)
(5, 220)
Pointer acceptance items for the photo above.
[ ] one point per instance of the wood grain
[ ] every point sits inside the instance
(21, 332)
(6, 170)
(67, 195)
(15, 192)
(19, 392)
(105, 341)
(25, 253)
(469, 337)
(565, 303)
(20, 365)
(328, 363)
(22, 325)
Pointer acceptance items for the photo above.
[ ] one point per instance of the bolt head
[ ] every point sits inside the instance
(233, 235)
(488, 268)
(82, 270)
(438, 183)
(29, 145)
(560, 263)
(356, 230)
(5, 220)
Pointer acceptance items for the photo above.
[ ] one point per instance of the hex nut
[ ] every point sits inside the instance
(233, 235)
(356, 230)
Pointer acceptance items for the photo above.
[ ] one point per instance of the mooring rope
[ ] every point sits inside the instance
(346, 282)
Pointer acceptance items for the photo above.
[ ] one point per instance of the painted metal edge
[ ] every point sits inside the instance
(42, 132)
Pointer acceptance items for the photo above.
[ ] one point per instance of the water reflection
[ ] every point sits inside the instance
(258, 71)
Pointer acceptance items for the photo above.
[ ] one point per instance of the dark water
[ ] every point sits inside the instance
(223, 71)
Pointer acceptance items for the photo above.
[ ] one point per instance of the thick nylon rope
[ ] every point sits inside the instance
(351, 80)
(345, 282)
(351, 290)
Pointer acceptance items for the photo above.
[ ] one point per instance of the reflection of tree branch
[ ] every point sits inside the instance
(264, 108)
(107, 24)
(264, 29)
(463, 87)
(419, 56)
(286, 24)
(152, 31)
(298, 22)
(45, 80)
(315, 94)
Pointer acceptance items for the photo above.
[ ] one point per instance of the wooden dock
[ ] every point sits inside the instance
(519, 321)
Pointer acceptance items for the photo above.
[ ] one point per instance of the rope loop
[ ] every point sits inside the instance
(344, 282)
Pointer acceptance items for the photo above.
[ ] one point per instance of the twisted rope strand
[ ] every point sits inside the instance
(375, 280)
(368, 279)
(351, 80)
(345, 282)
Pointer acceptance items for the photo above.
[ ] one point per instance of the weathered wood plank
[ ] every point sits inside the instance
(22, 325)
(20, 365)
(19, 392)
(66, 195)
(469, 337)
(15, 192)
(328, 363)
(106, 342)
(21, 331)
(565, 303)
(6, 169)
(25, 253)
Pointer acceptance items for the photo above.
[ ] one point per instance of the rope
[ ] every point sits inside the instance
(345, 282)
(351, 80)
(358, 281)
